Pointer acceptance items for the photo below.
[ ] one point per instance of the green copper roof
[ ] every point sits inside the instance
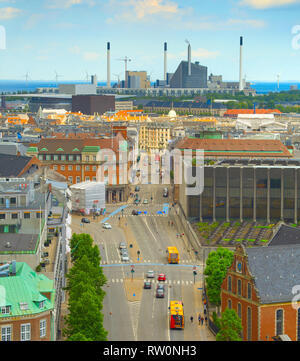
(59, 150)
(32, 149)
(27, 287)
(75, 150)
(91, 149)
(44, 150)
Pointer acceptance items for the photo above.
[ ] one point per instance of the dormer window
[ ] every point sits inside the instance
(5, 310)
(23, 306)
(42, 304)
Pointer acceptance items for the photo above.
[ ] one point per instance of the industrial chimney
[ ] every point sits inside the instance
(165, 62)
(189, 58)
(108, 65)
(241, 83)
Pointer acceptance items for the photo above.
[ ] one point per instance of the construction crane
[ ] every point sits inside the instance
(126, 60)
(57, 77)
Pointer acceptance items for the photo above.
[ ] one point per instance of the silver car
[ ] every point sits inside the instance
(124, 258)
(150, 274)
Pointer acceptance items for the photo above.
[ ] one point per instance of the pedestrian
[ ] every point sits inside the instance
(205, 311)
(206, 320)
(202, 320)
(192, 319)
(199, 319)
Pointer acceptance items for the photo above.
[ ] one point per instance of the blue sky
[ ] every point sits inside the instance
(69, 37)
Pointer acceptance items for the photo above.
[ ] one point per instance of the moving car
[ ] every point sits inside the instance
(125, 258)
(161, 277)
(122, 245)
(150, 274)
(106, 226)
(166, 192)
(85, 220)
(160, 293)
(147, 285)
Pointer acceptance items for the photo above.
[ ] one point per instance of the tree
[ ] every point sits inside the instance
(217, 265)
(230, 327)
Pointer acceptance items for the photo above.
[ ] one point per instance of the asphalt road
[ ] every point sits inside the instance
(145, 319)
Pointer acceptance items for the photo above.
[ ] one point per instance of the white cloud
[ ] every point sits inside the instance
(9, 13)
(199, 53)
(144, 10)
(264, 4)
(253, 23)
(65, 4)
(221, 25)
(91, 56)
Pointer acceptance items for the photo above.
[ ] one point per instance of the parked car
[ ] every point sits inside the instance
(85, 220)
(150, 274)
(106, 226)
(122, 245)
(137, 201)
(145, 201)
(160, 293)
(147, 285)
(165, 192)
(137, 189)
(123, 251)
(125, 258)
(135, 213)
(161, 277)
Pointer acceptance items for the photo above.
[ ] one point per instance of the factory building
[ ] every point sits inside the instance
(182, 79)
(93, 104)
(137, 80)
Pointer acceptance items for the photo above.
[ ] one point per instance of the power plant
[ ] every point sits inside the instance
(241, 81)
(108, 66)
(165, 61)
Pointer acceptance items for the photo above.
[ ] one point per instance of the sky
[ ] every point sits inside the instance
(68, 37)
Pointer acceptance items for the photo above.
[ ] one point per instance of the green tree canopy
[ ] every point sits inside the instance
(230, 327)
(217, 265)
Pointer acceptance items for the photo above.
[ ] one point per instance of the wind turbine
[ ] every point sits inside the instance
(118, 76)
(57, 77)
(26, 76)
(278, 78)
(87, 76)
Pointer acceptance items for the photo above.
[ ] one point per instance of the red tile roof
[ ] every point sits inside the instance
(251, 111)
(237, 147)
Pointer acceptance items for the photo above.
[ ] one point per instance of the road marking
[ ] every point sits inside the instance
(121, 280)
(117, 280)
(178, 282)
(113, 281)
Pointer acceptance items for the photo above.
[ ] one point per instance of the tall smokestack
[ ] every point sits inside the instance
(165, 62)
(189, 60)
(241, 83)
(108, 65)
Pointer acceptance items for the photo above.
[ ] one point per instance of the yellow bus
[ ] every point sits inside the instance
(173, 255)
(176, 314)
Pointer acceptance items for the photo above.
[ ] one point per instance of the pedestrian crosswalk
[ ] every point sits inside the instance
(167, 282)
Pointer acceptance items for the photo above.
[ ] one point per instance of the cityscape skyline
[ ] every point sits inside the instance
(31, 28)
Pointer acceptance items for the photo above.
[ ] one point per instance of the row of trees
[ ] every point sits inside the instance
(84, 285)
(217, 264)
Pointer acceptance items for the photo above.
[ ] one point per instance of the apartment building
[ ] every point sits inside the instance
(154, 136)
(26, 312)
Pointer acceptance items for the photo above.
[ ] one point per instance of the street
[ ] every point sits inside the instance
(131, 312)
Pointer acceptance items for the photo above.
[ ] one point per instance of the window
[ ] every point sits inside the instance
(87, 179)
(239, 287)
(77, 179)
(14, 216)
(41, 157)
(13, 201)
(5, 310)
(42, 304)
(78, 158)
(94, 158)
(229, 304)
(71, 158)
(48, 157)
(279, 322)
(62, 167)
(25, 332)
(2, 216)
(6, 333)
(55, 167)
(87, 158)
(249, 291)
(229, 284)
(26, 215)
(55, 157)
(42, 328)
(70, 167)
(62, 157)
(70, 179)
(94, 179)
(239, 310)
(87, 168)
(38, 215)
(78, 168)
(249, 324)
(94, 168)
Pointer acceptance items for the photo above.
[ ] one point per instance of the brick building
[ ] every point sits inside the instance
(93, 104)
(80, 160)
(27, 304)
(258, 286)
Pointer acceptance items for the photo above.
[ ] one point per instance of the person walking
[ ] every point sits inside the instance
(192, 319)
(206, 320)
(199, 319)
(202, 320)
